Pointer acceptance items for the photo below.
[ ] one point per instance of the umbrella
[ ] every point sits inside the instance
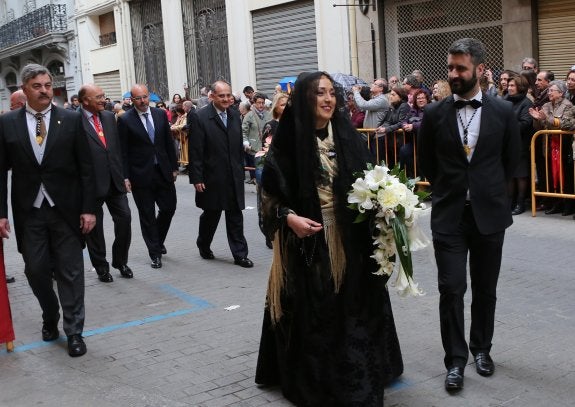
(283, 82)
(347, 81)
(154, 97)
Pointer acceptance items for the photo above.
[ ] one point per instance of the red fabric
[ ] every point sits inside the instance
(6, 328)
(99, 129)
(555, 164)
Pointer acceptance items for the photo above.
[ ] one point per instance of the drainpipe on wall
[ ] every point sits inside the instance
(353, 41)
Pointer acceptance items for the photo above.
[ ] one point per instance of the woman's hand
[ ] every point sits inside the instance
(301, 226)
(408, 127)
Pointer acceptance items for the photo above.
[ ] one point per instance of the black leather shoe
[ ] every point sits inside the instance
(156, 263)
(518, 210)
(164, 250)
(454, 379)
(484, 364)
(126, 271)
(568, 211)
(105, 276)
(553, 210)
(76, 345)
(244, 262)
(50, 332)
(10, 279)
(207, 254)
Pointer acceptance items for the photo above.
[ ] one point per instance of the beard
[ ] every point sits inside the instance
(461, 86)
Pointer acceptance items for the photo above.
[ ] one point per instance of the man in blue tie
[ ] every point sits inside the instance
(217, 172)
(150, 169)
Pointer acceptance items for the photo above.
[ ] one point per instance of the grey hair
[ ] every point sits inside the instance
(561, 85)
(31, 71)
(213, 85)
(469, 46)
(530, 60)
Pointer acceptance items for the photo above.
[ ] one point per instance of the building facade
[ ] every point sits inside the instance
(36, 31)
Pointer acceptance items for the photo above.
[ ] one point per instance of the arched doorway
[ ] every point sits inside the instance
(56, 68)
(11, 82)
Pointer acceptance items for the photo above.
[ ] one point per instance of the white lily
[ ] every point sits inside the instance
(405, 285)
(361, 195)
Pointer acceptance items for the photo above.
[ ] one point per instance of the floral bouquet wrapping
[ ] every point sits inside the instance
(387, 199)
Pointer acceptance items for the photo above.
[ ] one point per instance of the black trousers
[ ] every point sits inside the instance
(209, 220)
(50, 246)
(155, 226)
(117, 203)
(484, 264)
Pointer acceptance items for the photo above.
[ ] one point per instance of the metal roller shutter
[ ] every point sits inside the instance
(110, 83)
(556, 30)
(285, 43)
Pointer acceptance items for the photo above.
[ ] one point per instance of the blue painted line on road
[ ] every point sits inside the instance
(198, 305)
(400, 384)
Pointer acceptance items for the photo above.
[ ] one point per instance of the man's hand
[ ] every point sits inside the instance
(175, 175)
(356, 88)
(87, 222)
(4, 228)
(200, 187)
(128, 185)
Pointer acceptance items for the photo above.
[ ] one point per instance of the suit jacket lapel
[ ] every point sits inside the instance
(142, 126)
(453, 127)
(216, 117)
(21, 127)
(53, 131)
(90, 129)
(485, 124)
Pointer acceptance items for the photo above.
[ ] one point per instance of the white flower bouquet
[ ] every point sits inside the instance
(387, 198)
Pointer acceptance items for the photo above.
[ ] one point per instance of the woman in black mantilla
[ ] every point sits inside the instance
(328, 335)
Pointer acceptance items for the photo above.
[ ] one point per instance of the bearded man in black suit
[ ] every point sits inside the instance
(468, 147)
(53, 201)
(150, 169)
(217, 172)
(102, 133)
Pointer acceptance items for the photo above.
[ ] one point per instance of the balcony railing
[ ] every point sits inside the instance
(108, 39)
(44, 20)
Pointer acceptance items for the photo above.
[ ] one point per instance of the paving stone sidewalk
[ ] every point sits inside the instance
(188, 334)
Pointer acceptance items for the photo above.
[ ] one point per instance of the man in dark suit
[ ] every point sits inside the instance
(150, 169)
(53, 201)
(468, 149)
(217, 172)
(102, 133)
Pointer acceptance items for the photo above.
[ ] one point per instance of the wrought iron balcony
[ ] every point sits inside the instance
(49, 19)
(108, 39)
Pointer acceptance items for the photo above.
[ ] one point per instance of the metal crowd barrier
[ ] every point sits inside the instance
(394, 137)
(544, 134)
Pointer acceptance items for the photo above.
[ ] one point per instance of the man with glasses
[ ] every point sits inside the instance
(375, 107)
(150, 169)
(102, 133)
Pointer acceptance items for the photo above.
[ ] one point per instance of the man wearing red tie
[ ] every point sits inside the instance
(102, 133)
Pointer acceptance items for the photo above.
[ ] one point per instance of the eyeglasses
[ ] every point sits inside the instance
(138, 98)
(100, 97)
(527, 68)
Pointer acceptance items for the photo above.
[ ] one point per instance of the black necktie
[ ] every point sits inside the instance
(460, 104)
